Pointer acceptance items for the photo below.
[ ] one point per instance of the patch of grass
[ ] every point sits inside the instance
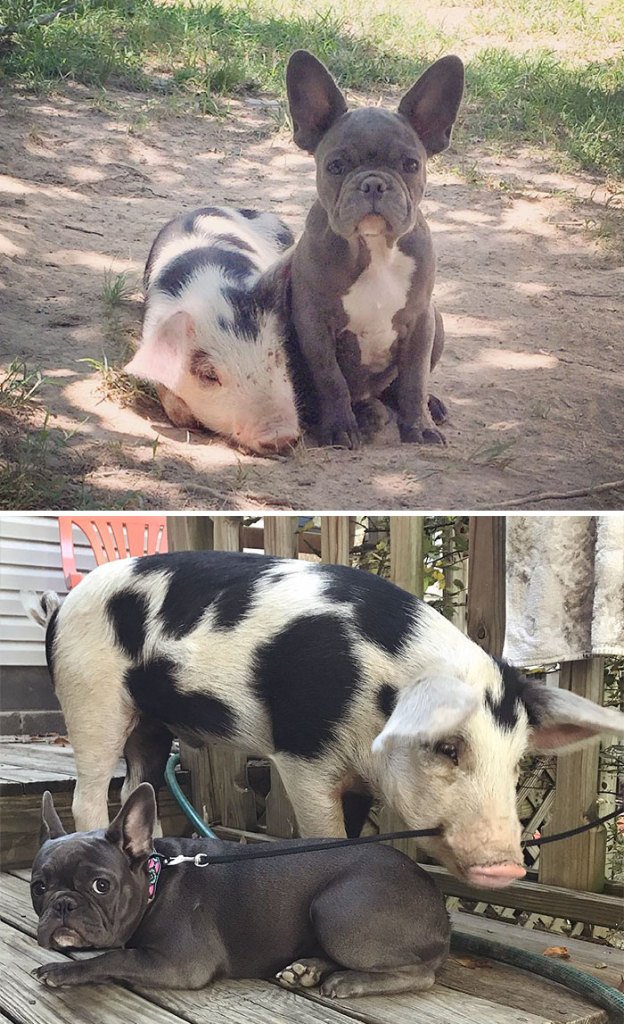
(119, 386)
(20, 385)
(495, 453)
(115, 289)
(524, 85)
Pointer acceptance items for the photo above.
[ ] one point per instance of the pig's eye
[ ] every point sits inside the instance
(202, 368)
(101, 885)
(38, 888)
(336, 166)
(449, 750)
(410, 164)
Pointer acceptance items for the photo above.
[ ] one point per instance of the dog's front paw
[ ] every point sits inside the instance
(339, 427)
(56, 974)
(372, 416)
(300, 974)
(421, 435)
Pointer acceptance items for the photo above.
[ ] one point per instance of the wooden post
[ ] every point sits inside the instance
(336, 539)
(227, 533)
(407, 571)
(486, 583)
(189, 533)
(578, 862)
(406, 553)
(280, 536)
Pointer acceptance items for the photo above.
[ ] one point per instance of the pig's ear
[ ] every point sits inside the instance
(314, 99)
(51, 825)
(562, 720)
(432, 103)
(428, 711)
(133, 828)
(165, 354)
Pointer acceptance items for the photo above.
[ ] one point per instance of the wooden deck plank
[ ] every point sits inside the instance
(509, 986)
(481, 996)
(604, 962)
(27, 1001)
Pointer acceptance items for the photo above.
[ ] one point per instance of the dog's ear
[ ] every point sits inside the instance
(314, 99)
(133, 828)
(51, 825)
(431, 104)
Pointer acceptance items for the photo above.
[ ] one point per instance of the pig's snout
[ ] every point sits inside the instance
(269, 442)
(494, 876)
(277, 444)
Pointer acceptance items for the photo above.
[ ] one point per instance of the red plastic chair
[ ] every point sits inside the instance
(111, 538)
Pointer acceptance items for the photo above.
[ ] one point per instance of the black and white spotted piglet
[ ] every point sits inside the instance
(213, 335)
(349, 684)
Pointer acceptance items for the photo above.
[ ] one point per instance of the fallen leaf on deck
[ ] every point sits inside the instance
(470, 962)
(559, 951)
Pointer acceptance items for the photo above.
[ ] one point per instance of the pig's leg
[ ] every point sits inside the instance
(146, 752)
(316, 797)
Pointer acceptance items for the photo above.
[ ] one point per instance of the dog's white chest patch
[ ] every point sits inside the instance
(370, 304)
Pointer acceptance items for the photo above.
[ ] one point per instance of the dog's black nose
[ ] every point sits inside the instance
(64, 905)
(372, 183)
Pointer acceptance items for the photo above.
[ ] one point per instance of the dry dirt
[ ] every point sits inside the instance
(533, 302)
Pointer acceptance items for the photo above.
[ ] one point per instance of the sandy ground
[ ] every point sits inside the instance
(533, 303)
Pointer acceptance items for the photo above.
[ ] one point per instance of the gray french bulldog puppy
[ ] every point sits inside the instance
(362, 273)
(358, 920)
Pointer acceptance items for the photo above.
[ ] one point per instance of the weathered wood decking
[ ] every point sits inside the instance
(467, 991)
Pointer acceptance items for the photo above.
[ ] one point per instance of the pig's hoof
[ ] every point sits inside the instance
(422, 435)
(437, 410)
(341, 985)
(300, 974)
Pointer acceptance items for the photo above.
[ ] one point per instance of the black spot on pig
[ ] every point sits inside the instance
(153, 686)
(176, 275)
(284, 237)
(128, 614)
(197, 579)
(386, 699)
(238, 243)
(250, 214)
(190, 221)
(384, 613)
(505, 708)
(306, 676)
(245, 314)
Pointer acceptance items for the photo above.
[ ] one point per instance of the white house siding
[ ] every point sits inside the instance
(30, 559)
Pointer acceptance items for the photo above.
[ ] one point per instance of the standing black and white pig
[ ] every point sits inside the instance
(346, 682)
(213, 336)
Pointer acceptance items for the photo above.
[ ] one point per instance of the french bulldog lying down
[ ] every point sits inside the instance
(361, 920)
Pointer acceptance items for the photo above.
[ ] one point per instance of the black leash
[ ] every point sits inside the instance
(203, 860)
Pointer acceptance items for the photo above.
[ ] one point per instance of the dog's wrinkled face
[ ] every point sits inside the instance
(371, 163)
(371, 174)
(90, 889)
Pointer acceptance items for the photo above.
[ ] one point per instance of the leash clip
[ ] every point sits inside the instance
(201, 860)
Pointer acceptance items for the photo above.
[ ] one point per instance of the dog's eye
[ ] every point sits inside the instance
(101, 885)
(410, 165)
(446, 749)
(336, 167)
(38, 888)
